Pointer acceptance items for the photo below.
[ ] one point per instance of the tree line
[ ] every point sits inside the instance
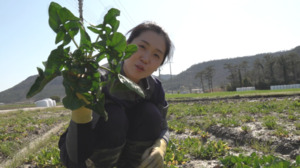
(266, 71)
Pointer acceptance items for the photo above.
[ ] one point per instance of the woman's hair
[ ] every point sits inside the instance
(151, 26)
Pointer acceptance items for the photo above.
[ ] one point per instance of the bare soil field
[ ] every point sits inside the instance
(21, 131)
(264, 125)
(246, 130)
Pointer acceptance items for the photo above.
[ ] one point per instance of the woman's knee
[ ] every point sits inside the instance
(144, 122)
(149, 113)
(113, 131)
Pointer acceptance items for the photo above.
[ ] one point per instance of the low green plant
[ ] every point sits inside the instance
(247, 118)
(264, 147)
(229, 122)
(296, 103)
(47, 157)
(195, 130)
(175, 154)
(297, 125)
(281, 132)
(177, 126)
(207, 151)
(255, 161)
(269, 122)
(245, 128)
(211, 150)
(292, 117)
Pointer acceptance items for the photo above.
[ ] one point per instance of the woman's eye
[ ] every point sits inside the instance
(156, 55)
(142, 46)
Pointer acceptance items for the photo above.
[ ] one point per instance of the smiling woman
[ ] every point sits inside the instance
(153, 48)
(136, 132)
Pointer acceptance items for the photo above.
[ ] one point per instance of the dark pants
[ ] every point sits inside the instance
(139, 123)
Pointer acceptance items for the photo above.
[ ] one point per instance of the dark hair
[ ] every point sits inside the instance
(151, 26)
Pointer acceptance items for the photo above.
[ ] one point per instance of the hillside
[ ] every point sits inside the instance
(18, 92)
(186, 79)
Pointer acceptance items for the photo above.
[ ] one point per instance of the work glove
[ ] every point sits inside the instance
(82, 115)
(154, 156)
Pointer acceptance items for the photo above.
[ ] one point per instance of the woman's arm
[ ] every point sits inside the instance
(76, 143)
(165, 130)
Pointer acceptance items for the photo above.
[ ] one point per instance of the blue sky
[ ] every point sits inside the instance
(201, 30)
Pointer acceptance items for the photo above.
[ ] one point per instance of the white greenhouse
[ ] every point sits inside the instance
(45, 103)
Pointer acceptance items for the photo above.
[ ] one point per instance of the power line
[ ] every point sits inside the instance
(123, 25)
(127, 15)
(130, 23)
(73, 5)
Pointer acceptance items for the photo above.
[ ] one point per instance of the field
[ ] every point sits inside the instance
(211, 130)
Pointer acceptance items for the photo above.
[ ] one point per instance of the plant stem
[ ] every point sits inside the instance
(90, 54)
(75, 43)
(105, 69)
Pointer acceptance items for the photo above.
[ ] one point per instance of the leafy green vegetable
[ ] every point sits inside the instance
(80, 67)
(257, 161)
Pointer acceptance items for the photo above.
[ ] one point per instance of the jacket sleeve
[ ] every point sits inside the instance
(158, 98)
(165, 130)
(76, 144)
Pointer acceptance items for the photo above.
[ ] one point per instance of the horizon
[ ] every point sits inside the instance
(185, 69)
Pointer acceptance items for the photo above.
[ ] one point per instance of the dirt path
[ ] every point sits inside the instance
(24, 109)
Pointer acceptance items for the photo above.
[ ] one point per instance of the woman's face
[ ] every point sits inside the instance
(148, 57)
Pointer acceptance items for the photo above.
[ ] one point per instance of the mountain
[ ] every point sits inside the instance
(18, 92)
(185, 79)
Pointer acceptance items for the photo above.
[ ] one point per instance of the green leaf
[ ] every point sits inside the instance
(100, 56)
(131, 85)
(59, 37)
(85, 40)
(65, 15)
(93, 29)
(55, 61)
(54, 20)
(99, 107)
(40, 82)
(130, 49)
(52, 69)
(100, 45)
(72, 27)
(106, 32)
(67, 40)
(110, 18)
(71, 101)
(118, 42)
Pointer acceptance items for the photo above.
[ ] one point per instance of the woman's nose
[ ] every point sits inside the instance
(145, 58)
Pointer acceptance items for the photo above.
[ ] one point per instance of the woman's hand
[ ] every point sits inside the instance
(154, 156)
(82, 115)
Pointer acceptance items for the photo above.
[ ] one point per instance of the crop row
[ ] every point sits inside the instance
(280, 116)
(277, 119)
(18, 128)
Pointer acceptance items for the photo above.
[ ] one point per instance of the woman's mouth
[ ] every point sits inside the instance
(139, 67)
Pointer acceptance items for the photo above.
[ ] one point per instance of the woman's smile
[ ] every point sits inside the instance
(140, 67)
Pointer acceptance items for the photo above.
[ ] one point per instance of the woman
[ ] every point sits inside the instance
(136, 132)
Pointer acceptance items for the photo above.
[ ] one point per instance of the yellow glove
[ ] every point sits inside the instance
(82, 115)
(154, 156)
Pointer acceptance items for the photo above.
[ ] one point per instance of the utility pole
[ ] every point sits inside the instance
(159, 73)
(80, 4)
(171, 75)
